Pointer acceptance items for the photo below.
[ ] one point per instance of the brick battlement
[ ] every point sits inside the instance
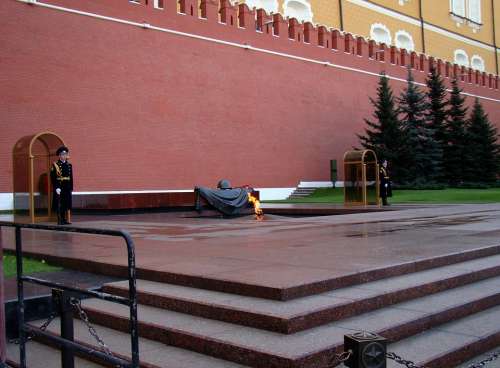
(186, 95)
(257, 30)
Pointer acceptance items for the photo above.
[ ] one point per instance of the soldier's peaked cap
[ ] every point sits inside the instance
(61, 150)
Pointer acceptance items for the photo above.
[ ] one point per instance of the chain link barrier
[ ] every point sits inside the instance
(400, 360)
(408, 363)
(43, 327)
(340, 358)
(77, 304)
(485, 361)
(335, 360)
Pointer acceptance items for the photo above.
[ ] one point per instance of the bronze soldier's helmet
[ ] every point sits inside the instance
(224, 184)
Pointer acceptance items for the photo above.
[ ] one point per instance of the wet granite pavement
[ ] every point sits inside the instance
(278, 251)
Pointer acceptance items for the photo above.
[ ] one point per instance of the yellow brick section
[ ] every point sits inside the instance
(326, 13)
(409, 7)
(438, 13)
(444, 48)
(358, 20)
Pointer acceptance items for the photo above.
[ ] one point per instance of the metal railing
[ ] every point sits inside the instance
(65, 344)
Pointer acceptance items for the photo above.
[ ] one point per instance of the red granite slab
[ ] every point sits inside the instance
(278, 258)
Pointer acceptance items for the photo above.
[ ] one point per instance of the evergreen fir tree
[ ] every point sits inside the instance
(423, 153)
(383, 134)
(436, 115)
(483, 146)
(455, 156)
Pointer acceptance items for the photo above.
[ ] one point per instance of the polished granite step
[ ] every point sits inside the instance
(453, 343)
(152, 354)
(311, 348)
(307, 312)
(491, 357)
(286, 293)
(39, 355)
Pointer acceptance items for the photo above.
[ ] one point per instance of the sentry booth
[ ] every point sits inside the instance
(32, 157)
(361, 180)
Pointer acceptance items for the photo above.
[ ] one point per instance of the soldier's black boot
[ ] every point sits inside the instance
(384, 201)
(60, 220)
(65, 218)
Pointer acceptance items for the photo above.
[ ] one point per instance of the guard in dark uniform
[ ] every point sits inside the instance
(385, 183)
(61, 176)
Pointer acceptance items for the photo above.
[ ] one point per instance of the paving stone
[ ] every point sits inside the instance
(152, 352)
(218, 305)
(493, 364)
(245, 251)
(42, 356)
(301, 344)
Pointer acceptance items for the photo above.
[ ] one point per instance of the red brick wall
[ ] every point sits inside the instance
(143, 109)
(2, 309)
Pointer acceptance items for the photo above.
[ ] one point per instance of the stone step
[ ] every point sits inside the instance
(304, 313)
(453, 343)
(495, 363)
(311, 348)
(273, 291)
(315, 287)
(301, 192)
(42, 356)
(152, 354)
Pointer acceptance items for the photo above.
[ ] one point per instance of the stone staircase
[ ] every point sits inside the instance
(439, 315)
(301, 192)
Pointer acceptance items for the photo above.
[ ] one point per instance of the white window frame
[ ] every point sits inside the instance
(470, 10)
(258, 4)
(481, 68)
(156, 4)
(463, 53)
(466, 16)
(303, 2)
(452, 8)
(407, 35)
(380, 26)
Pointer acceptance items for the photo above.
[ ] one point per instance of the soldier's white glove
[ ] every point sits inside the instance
(386, 185)
(58, 191)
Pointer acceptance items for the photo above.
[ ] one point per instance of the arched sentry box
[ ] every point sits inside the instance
(361, 181)
(32, 157)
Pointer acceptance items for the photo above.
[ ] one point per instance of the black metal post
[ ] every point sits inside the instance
(341, 16)
(61, 300)
(20, 297)
(134, 331)
(422, 29)
(494, 36)
(66, 341)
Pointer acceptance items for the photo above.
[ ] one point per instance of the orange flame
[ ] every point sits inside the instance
(259, 214)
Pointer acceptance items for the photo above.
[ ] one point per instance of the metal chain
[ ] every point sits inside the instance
(340, 358)
(43, 327)
(485, 361)
(398, 359)
(76, 303)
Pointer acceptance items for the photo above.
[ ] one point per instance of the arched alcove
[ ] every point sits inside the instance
(361, 179)
(298, 9)
(32, 157)
(270, 6)
(461, 58)
(477, 62)
(404, 40)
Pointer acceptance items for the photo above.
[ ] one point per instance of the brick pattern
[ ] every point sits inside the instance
(142, 109)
